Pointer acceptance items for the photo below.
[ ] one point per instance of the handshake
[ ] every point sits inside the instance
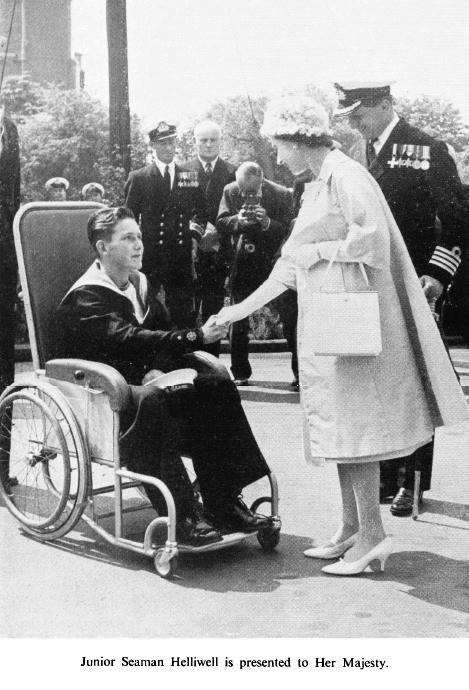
(216, 326)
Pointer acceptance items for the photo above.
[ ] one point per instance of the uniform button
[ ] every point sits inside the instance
(161, 225)
(181, 216)
(180, 234)
(180, 241)
(180, 225)
(161, 232)
(179, 337)
(160, 242)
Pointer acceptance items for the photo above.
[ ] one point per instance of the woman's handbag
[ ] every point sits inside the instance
(346, 324)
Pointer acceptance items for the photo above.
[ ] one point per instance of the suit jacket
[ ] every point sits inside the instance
(164, 220)
(9, 193)
(251, 250)
(213, 185)
(97, 321)
(416, 196)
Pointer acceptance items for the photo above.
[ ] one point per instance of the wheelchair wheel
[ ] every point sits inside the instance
(166, 561)
(269, 537)
(41, 446)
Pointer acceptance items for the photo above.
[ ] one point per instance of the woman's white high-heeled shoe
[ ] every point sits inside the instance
(380, 553)
(333, 551)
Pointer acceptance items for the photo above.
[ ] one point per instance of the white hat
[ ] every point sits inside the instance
(57, 182)
(306, 111)
(93, 185)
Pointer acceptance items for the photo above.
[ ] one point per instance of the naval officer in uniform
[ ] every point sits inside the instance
(166, 200)
(419, 180)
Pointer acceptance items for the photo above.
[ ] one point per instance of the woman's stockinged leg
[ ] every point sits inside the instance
(350, 523)
(364, 478)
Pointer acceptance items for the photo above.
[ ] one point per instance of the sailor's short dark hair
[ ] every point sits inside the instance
(101, 223)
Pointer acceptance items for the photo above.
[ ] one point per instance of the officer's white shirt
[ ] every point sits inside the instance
(385, 134)
(162, 168)
(204, 163)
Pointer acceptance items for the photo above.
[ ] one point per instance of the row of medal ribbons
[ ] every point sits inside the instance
(187, 179)
(410, 156)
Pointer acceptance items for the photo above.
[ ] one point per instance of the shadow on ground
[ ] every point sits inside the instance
(431, 578)
(426, 576)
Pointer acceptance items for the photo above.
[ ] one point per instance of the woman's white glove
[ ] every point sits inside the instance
(228, 315)
(268, 291)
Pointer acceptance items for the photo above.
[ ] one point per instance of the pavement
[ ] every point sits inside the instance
(80, 586)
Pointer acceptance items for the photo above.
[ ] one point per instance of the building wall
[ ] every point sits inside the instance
(42, 39)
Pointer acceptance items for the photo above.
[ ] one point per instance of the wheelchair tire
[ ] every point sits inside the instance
(165, 563)
(269, 538)
(41, 445)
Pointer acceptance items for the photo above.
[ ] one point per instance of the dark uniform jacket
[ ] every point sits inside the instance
(419, 180)
(98, 322)
(251, 251)
(164, 220)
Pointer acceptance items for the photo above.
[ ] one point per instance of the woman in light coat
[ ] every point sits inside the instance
(357, 410)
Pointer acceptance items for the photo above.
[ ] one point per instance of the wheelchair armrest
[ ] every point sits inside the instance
(204, 362)
(96, 375)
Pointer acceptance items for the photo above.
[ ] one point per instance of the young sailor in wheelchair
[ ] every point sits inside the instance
(111, 315)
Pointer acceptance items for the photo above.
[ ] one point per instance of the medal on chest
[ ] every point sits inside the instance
(415, 156)
(187, 179)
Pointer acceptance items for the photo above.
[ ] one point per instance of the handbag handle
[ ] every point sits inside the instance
(334, 256)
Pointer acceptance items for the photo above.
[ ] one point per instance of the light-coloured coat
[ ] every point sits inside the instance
(365, 408)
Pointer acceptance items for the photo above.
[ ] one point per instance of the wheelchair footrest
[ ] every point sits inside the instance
(227, 541)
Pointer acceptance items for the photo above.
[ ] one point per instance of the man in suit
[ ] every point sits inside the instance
(167, 200)
(419, 180)
(214, 174)
(253, 219)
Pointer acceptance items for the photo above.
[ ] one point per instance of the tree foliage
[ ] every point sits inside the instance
(436, 116)
(66, 133)
(21, 97)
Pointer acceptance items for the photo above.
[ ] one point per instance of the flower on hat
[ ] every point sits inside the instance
(305, 111)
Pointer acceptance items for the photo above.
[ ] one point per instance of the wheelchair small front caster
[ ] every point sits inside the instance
(269, 537)
(166, 561)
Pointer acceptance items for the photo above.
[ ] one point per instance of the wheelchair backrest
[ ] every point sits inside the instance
(53, 251)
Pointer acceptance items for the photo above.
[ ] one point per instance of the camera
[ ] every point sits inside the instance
(251, 200)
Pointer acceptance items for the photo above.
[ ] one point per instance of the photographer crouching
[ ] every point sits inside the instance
(253, 219)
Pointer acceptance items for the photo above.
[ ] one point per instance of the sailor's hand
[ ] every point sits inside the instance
(213, 331)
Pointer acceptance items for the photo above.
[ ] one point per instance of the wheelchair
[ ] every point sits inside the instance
(60, 425)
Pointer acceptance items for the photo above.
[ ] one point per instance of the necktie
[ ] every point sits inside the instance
(370, 152)
(208, 169)
(167, 180)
